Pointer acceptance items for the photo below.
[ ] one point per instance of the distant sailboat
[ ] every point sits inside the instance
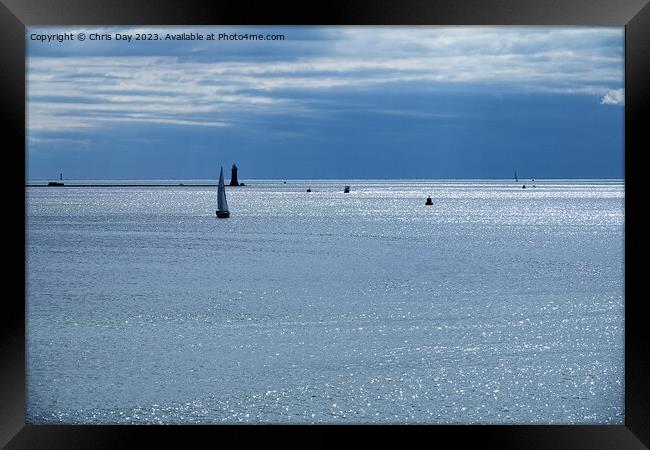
(222, 204)
(346, 190)
(57, 183)
(516, 179)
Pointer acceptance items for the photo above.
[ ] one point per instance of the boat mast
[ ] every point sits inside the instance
(222, 204)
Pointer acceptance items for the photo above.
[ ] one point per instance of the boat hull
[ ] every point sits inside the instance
(223, 214)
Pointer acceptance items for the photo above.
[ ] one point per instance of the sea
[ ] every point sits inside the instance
(497, 304)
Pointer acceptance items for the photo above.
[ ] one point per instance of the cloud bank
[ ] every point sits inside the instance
(83, 86)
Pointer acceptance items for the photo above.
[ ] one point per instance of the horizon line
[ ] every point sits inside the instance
(27, 180)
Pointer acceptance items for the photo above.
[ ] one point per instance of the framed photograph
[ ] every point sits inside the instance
(415, 217)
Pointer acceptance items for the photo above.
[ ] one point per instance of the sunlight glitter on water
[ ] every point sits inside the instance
(494, 305)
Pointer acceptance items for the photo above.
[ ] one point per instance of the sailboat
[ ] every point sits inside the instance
(57, 183)
(222, 204)
(517, 180)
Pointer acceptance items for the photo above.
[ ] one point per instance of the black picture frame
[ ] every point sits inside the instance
(15, 15)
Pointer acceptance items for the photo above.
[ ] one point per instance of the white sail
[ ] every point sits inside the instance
(222, 204)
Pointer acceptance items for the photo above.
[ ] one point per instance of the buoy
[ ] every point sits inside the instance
(524, 186)
(429, 201)
(308, 189)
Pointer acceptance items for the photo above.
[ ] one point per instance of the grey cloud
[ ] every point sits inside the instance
(94, 85)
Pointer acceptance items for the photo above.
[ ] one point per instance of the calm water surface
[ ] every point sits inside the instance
(495, 305)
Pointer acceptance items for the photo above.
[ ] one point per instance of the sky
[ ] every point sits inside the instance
(402, 102)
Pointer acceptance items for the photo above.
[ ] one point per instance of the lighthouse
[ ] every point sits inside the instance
(233, 176)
